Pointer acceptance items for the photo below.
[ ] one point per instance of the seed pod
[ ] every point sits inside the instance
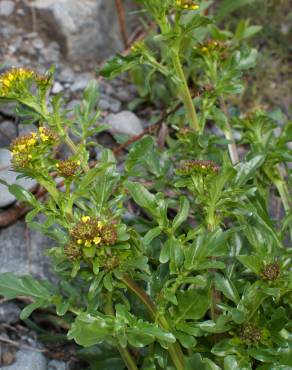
(195, 167)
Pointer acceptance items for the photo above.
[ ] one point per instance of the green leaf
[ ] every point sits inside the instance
(88, 330)
(142, 196)
(182, 214)
(12, 286)
(227, 288)
(252, 262)
(247, 170)
(233, 363)
(28, 310)
(229, 6)
(117, 65)
(102, 357)
(22, 194)
(151, 234)
(192, 305)
(139, 152)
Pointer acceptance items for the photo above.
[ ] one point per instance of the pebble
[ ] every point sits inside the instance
(66, 75)
(9, 313)
(81, 82)
(8, 175)
(6, 8)
(57, 88)
(38, 44)
(57, 365)
(125, 122)
(110, 104)
(7, 133)
(28, 360)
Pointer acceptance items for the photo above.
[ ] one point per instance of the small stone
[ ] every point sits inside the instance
(81, 82)
(125, 122)
(57, 365)
(6, 8)
(7, 133)
(8, 175)
(109, 104)
(57, 88)
(28, 360)
(38, 44)
(22, 251)
(7, 358)
(66, 75)
(9, 312)
(51, 53)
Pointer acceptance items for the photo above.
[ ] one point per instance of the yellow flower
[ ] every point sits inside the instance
(187, 4)
(85, 218)
(97, 240)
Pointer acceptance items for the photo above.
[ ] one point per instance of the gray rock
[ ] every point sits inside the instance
(51, 53)
(6, 8)
(28, 360)
(110, 104)
(57, 88)
(81, 82)
(125, 122)
(9, 312)
(38, 44)
(57, 365)
(7, 133)
(86, 30)
(22, 251)
(8, 175)
(66, 75)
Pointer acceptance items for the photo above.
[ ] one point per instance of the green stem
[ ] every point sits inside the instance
(233, 153)
(185, 93)
(174, 350)
(125, 354)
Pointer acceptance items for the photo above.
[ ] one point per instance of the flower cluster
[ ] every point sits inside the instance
(23, 147)
(14, 81)
(138, 47)
(90, 232)
(195, 167)
(271, 271)
(187, 4)
(212, 45)
(47, 135)
(67, 167)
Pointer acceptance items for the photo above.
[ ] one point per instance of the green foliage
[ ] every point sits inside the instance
(172, 259)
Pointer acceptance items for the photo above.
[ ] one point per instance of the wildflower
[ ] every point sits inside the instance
(212, 45)
(72, 251)
(14, 80)
(47, 135)
(68, 167)
(187, 4)
(138, 46)
(193, 167)
(271, 271)
(24, 144)
(89, 232)
(250, 334)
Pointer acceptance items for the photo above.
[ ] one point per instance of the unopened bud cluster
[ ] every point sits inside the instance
(250, 334)
(68, 167)
(212, 45)
(271, 271)
(195, 167)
